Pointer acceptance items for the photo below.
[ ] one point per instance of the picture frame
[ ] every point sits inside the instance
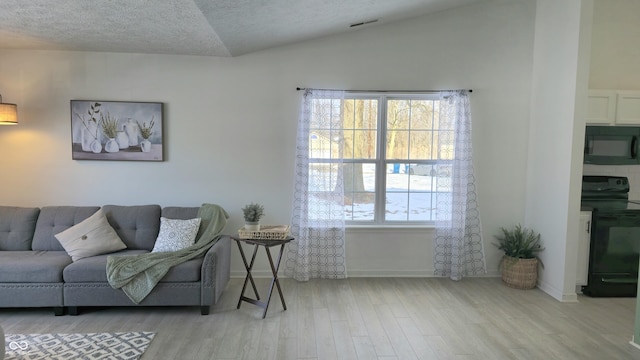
(117, 130)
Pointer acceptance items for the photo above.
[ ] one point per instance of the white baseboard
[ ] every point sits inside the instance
(389, 273)
(557, 293)
(363, 274)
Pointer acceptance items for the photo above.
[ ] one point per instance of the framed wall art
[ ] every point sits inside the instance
(116, 130)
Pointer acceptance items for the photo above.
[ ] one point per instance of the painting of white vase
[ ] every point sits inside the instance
(132, 130)
(111, 146)
(90, 132)
(122, 139)
(117, 130)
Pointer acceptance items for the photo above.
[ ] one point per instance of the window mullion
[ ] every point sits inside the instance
(409, 144)
(381, 163)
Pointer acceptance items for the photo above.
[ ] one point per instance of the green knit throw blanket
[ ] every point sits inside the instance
(138, 274)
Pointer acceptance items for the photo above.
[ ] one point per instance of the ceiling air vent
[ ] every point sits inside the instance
(363, 23)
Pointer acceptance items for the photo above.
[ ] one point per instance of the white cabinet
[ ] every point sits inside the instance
(613, 107)
(601, 107)
(584, 241)
(628, 108)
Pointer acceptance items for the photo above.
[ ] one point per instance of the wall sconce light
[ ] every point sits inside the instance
(8, 113)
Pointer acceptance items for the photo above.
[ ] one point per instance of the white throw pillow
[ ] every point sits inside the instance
(176, 234)
(93, 236)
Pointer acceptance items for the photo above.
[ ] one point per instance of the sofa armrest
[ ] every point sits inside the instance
(216, 271)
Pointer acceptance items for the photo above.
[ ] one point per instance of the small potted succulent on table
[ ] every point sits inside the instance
(252, 214)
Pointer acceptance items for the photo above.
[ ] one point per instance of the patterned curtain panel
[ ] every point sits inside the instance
(317, 223)
(459, 250)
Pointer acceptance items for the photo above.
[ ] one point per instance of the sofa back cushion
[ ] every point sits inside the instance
(55, 219)
(137, 226)
(17, 225)
(182, 213)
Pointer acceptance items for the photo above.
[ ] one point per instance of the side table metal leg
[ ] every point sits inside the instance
(249, 277)
(284, 306)
(274, 271)
(253, 259)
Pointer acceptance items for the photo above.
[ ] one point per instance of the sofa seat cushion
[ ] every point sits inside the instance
(32, 266)
(93, 269)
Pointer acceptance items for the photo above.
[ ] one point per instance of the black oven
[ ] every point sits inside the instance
(615, 237)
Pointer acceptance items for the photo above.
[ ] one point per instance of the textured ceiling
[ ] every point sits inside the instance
(192, 27)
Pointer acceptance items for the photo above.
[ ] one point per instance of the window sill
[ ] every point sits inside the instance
(389, 228)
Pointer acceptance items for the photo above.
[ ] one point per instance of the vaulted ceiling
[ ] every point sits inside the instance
(193, 27)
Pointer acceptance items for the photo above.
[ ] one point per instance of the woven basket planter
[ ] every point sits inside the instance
(519, 273)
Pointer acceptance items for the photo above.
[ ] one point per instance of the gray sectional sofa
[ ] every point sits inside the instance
(35, 270)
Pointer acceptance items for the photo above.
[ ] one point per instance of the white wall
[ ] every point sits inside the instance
(558, 104)
(230, 123)
(615, 54)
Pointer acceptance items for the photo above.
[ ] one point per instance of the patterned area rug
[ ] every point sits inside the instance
(93, 346)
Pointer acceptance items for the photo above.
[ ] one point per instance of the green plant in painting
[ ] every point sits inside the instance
(145, 131)
(253, 212)
(109, 125)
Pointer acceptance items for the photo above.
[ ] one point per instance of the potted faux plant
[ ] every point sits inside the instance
(252, 214)
(110, 130)
(145, 132)
(519, 264)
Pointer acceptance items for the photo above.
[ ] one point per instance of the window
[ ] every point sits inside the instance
(390, 150)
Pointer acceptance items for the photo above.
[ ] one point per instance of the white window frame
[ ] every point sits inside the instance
(381, 162)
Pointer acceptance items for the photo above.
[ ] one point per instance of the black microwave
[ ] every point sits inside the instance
(611, 145)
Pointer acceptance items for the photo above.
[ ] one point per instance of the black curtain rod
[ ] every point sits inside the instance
(384, 91)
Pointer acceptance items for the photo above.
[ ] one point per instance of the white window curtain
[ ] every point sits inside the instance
(459, 250)
(317, 222)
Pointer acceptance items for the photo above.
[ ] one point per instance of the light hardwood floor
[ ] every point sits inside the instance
(366, 318)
